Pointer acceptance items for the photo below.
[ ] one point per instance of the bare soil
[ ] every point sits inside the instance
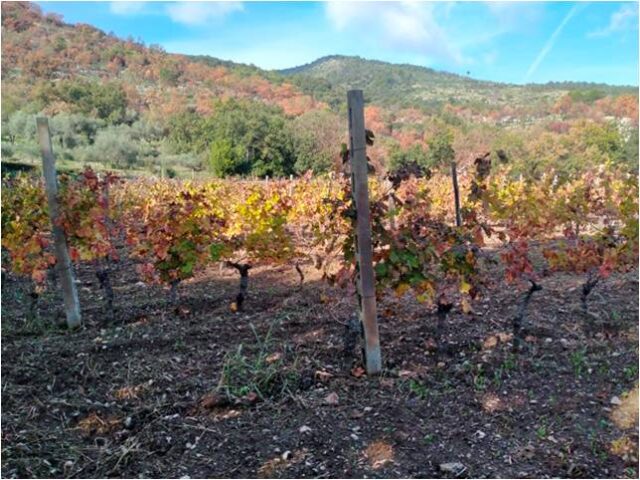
(134, 397)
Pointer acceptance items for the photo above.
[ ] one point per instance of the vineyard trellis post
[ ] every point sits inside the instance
(65, 269)
(364, 252)
(456, 192)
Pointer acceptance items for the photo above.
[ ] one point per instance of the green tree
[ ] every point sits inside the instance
(186, 133)
(440, 151)
(315, 136)
(20, 125)
(115, 147)
(399, 158)
(258, 137)
(225, 159)
(106, 101)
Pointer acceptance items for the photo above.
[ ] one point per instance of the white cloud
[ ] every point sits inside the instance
(514, 14)
(623, 19)
(551, 42)
(490, 57)
(408, 25)
(201, 13)
(126, 8)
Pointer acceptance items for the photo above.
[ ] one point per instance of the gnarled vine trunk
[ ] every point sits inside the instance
(103, 271)
(173, 292)
(587, 287)
(243, 270)
(518, 319)
(441, 314)
(32, 313)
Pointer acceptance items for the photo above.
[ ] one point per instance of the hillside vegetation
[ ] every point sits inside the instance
(394, 85)
(119, 104)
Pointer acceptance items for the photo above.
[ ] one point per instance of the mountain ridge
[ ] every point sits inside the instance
(303, 68)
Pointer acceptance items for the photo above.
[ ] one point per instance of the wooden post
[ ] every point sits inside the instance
(391, 205)
(364, 251)
(65, 269)
(456, 193)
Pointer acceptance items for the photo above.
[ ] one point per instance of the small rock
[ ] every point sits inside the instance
(479, 435)
(322, 375)
(128, 423)
(305, 429)
(454, 468)
(354, 436)
(616, 401)
(490, 342)
(332, 399)
(286, 455)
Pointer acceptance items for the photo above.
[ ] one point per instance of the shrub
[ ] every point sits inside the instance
(6, 150)
(115, 147)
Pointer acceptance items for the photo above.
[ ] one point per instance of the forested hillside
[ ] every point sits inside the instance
(119, 104)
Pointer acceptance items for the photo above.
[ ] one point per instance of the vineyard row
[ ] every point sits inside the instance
(175, 229)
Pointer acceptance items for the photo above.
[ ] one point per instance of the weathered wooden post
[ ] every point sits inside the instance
(65, 269)
(364, 252)
(456, 192)
(391, 204)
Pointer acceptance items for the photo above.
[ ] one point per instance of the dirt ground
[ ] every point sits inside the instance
(136, 397)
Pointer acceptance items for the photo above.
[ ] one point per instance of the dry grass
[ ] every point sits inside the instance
(625, 415)
(379, 454)
(94, 424)
(129, 392)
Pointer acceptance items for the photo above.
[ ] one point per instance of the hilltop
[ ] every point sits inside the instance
(410, 85)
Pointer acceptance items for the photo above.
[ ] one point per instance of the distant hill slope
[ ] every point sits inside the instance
(39, 49)
(405, 85)
(120, 104)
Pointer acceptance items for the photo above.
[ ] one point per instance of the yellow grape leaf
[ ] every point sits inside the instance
(401, 289)
(465, 287)
(234, 307)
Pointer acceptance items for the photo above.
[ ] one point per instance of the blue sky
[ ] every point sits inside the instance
(514, 42)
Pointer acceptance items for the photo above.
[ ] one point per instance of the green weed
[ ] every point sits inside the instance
(256, 369)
